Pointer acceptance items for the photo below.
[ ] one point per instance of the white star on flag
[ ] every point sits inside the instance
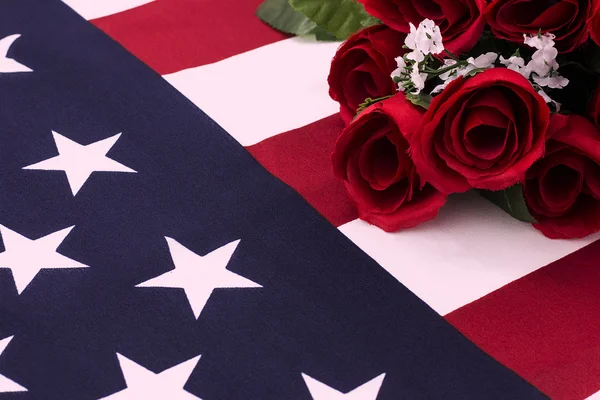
(367, 391)
(80, 161)
(8, 64)
(198, 276)
(26, 257)
(8, 385)
(145, 384)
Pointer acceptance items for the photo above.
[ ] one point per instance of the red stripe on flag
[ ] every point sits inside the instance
(172, 35)
(302, 159)
(545, 326)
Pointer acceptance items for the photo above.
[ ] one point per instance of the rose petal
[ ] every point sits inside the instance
(559, 187)
(581, 221)
(494, 98)
(580, 134)
(352, 138)
(378, 162)
(485, 133)
(422, 208)
(369, 200)
(592, 179)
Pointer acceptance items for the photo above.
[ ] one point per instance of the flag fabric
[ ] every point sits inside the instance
(147, 255)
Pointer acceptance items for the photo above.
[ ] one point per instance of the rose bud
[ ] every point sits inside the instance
(362, 67)
(371, 157)
(562, 190)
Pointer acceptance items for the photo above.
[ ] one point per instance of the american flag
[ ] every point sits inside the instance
(171, 229)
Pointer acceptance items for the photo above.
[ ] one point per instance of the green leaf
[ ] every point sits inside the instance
(370, 20)
(369, 102)
(281, 16)
(323, 35)
(510, 200)
(421, 99)
(340, 17)
(474, 72)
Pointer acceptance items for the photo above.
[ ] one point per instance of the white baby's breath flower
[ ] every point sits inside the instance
(447, 77)
(539, 41)
(449, 74)
(401, 67)
(400, 62)
(429, 39)
(543, 61)
(411, 42)
(554, 81)
(484, 61)
(423, 40)
(547, 54)
(516, 64)
(399, 71)
(416, 56)
(418, 79)
(543, 65)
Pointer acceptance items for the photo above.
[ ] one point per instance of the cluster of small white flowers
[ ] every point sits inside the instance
(543, 62)
(543, 65)
(516, 64)
(422, 41)
(426, 39)
(542, 68)
(402, 68)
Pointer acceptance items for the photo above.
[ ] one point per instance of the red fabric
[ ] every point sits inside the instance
(545, 326)
(562, 189)
(172, 35)
(301, 158)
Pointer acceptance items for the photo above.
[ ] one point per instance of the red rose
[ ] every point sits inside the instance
(510, 19)
(481, 132)
(594, 106)
(594, 22)
(562, 190)
(461, 21)
(362, 67)
(371, 158)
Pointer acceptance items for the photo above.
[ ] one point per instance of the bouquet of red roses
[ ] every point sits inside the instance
(446, 96)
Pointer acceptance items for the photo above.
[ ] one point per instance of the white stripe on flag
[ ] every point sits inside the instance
(471, 249)
(263, 92)
(90, 9)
